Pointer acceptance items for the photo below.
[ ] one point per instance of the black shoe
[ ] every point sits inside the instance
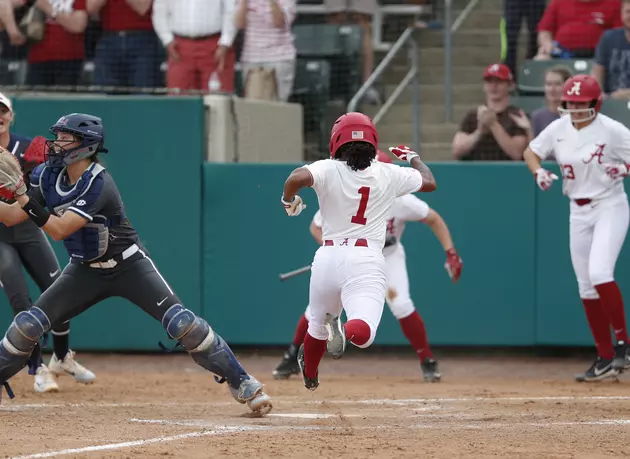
(430, 371)
(310, 384)
(289, 365)
(600, 370)
(621, 361)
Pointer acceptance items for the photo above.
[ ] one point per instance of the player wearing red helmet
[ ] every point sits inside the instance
(593, 152)
(355, 193)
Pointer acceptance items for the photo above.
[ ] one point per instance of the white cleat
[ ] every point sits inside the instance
(336, 344)
(71, 367)
(45, 381)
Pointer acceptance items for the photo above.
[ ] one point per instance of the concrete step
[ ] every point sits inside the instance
(429, 113)
(429, 132)
(463, 55)
(434, 93)
(462, 38)
(486, 18)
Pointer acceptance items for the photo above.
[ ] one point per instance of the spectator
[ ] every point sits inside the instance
(57, 59)
(128, 51)
(554, 82)
(515, 11)
(268, 44)
(612, 58)
(572, 28)
(198, 37)
(496, 131)
(12, 41)
(360, 12)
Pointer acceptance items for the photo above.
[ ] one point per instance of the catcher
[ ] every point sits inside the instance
(75, 200)
(405, 208)
(25, 244)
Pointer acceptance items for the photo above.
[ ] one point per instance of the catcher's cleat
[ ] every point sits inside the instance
(310, 384)
(45, 380)
(621, 361)
(430, 371)
(71, 367)
(600, 369)
(336, 344)
(289, 364)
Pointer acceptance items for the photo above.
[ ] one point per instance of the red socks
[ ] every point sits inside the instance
(612, 306)
(600, 328)
(300, 331)
(413, 328)
(314, 350)
(357, 332)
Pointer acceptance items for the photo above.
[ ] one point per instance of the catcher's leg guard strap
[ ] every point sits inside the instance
(203, 344)
(25, 331)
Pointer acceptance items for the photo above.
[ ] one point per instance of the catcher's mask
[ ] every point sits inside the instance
(87, 130)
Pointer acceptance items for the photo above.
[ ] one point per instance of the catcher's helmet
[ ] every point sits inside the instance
(582, 88)
(383, 157)
(87, 129)
(352, 127)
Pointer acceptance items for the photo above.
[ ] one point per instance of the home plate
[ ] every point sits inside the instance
(310, 415)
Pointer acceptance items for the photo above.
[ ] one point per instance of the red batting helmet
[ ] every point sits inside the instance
(352, 127)
(383, 157)
(582, 88)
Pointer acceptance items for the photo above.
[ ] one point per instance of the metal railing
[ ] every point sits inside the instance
(407, 38)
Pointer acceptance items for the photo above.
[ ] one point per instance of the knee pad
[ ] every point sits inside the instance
(26, 330)
(192, 332)
(401, 307)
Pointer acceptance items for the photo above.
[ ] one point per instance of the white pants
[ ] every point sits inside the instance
(398, 298)
(348, 275)
(597, 232)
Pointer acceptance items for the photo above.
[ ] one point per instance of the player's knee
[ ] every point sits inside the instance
(192, 332)
(401, 307)
(26, 330)
(317, 331)
(587, 291)
(600, 276)
(370, 340)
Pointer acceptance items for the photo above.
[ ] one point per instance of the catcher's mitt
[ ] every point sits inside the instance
(11, 176)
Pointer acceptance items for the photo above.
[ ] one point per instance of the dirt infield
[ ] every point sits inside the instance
(366, 406)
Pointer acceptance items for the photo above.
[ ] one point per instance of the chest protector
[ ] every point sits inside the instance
(90, 242)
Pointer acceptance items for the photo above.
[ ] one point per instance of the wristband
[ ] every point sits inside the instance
(38, 214)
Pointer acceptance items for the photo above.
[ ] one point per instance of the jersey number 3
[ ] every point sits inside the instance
(359, 218)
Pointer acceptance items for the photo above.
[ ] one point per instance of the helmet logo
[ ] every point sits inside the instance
(357, 135)
(62, 121)
(575, 89)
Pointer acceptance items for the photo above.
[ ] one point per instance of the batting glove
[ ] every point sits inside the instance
(544, 178)
(404, 153)
(294, 207)
(616, 171)
(453, 264)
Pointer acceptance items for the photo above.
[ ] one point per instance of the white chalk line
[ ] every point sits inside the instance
(394, 402)
(131, 444)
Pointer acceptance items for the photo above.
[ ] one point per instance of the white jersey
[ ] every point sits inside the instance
(355, 204)
(405, 208)
(582, 154)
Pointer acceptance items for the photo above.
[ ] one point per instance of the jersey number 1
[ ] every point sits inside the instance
(359, 218)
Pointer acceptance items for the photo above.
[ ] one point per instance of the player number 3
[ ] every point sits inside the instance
(359, 218)
(567, 171)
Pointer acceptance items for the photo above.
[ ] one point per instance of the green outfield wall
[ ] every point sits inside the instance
(219, 235)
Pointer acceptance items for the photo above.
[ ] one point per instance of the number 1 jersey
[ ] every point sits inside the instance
(355, 204)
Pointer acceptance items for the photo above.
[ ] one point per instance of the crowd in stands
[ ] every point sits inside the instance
(558, 32)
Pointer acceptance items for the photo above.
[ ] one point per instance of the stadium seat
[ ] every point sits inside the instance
(528, 103)
(341, 46)
(311, 88)
(618, 110)
(13, 72)
(531, 75)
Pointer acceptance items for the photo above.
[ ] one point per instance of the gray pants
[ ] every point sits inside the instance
(35, 253)
(81, 286)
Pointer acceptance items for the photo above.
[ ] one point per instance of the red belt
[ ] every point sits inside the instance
(583, 202)
(358, 243)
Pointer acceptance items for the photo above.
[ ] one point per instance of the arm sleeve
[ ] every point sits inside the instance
(413, 209)
(621, 148)
(405, 180)
(317, 219)
(319, 170)
(548, 22)
(542, 144)
(469, 123)
(93, 200)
